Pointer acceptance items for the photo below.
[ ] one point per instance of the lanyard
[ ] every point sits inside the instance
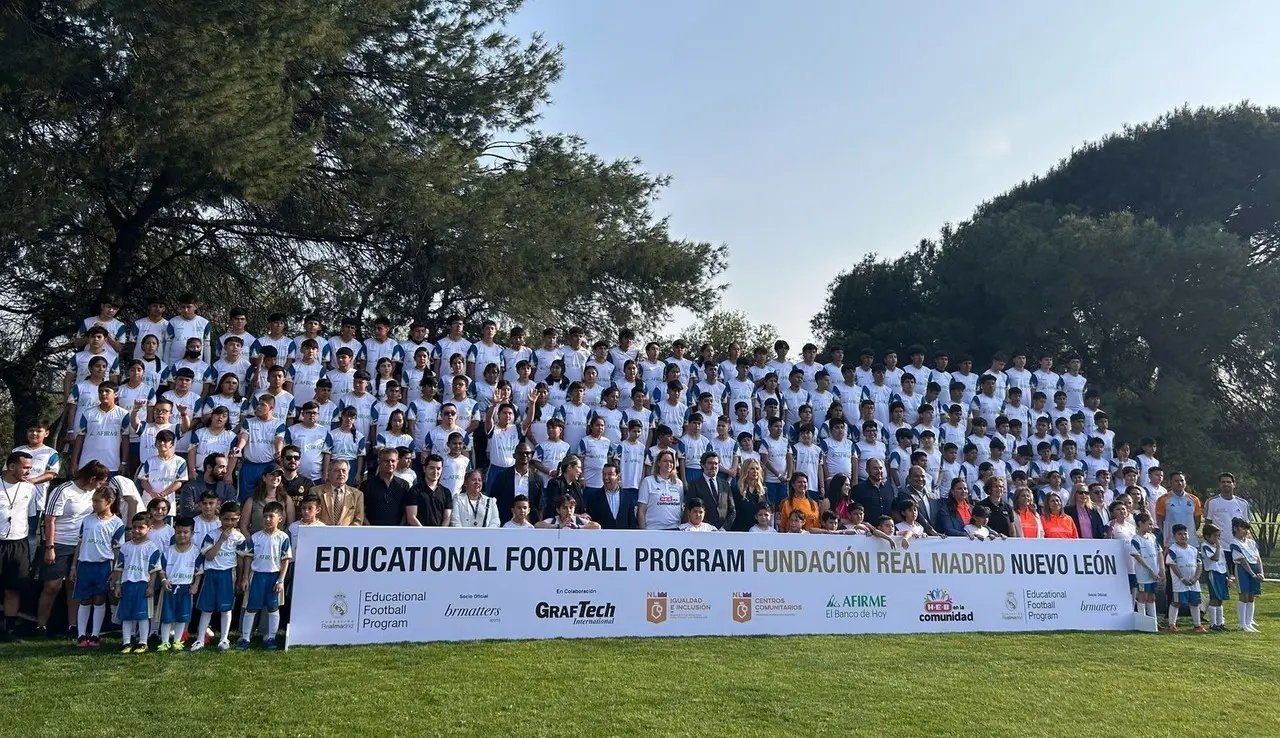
(11, 499)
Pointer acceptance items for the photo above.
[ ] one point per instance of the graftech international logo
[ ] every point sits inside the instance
(939, 607)
(740, 606)
(655, 607)
(858, 606)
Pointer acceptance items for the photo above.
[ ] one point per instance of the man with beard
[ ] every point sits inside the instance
(213, 479)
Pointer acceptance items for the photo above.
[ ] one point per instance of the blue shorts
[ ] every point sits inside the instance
(777, 492)
(693, 475)
(1148, 587)
(217, 591)
(1133, 581)
(250, 472)
(175, 606)
(1246, 582)
(262, 591)
(1218, 589)
(1190, 597)
(134, 603)
(93, 579)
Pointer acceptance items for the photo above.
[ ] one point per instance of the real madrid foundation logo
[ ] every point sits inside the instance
(338, 608)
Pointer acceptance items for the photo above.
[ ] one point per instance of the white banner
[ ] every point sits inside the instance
(385, 585)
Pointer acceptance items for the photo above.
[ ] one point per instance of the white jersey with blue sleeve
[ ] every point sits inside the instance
(227, 556)
(266, 551)
(137, 561)
(180, 567)
(1206, 557)
(1186, 558)
(1146, 549)
(99, 538)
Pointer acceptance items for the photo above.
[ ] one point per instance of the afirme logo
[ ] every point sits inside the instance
(584, 612)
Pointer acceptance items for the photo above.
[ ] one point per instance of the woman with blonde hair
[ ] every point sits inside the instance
(1055, 522)
(1027, 523)
(748, 492)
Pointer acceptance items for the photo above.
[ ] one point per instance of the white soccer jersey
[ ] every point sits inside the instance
(1149, 551)
(136, 562)
(1221, 511)
(1074, 386)
(160, 473)
(143, 327)
(180, 329)
(102, 431)
(267, 551)
(511, 357)
(180, 567)
(98, 538)
(1185, 558)
(311, 442)
(304, 377)
(445, 350)
(227, 556)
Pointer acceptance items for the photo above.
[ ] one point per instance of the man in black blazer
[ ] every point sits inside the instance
(522, 477)
(613, 507)
(714, 492)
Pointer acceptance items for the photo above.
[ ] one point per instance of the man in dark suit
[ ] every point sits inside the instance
(521, 479)
(915, 492)
(875, 495)
(714, 492)
(613, 507)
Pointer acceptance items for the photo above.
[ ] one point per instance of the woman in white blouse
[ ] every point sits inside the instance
(472, 508)
(662, 495)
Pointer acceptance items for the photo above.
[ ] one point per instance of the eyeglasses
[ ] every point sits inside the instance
(291, 458)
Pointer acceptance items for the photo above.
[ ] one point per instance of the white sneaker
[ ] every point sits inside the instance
(196, 645)
(224, 645)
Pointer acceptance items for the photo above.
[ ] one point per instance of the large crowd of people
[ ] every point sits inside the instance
(191, 457)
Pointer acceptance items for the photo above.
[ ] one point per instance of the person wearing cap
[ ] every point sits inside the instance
(269, 488)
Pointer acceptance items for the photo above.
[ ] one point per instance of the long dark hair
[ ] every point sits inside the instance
(835, 489)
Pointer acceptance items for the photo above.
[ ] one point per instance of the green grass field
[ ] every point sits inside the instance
(1070, 684)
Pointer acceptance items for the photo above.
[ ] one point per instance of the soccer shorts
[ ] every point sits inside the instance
(217, 591)
(1133, 581)
(175, 604)
(1218, 589)
(93, 579)
(262, 591)
(13, 565)
(1190, 597)
(134, 602)
(61, 567)
(777, 492)
(1148, 587)
(1248, 583)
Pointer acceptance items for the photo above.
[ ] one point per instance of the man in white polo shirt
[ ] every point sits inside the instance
(1225, 506)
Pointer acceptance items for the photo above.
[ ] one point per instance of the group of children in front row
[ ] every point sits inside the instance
(155, 572)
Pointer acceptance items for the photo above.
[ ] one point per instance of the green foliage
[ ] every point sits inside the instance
(723, 327)
(342, 157)
(1133, 254)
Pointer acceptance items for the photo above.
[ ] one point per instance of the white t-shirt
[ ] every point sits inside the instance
(1185, 558)
(69, 506)
(664, 503)
(699, 528)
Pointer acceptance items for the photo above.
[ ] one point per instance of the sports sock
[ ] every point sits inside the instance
(1242, 617)
(246, 625)
(224, 626)
(82, 619)
(205, 619)
(1248, 611)
(273, 623)
(1195, 616)
(1149, 609)
(1173, 615)
(165, 630)
(99, 614)
(144, 630)
(126, 632)
(115, 613)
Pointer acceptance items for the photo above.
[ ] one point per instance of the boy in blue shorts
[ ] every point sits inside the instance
(182, 566)
(100, 534)
(1244, 553)
(265, 564)
(1214, 561)
(1147, 567)
(134, 581)
(1183, 560)
(218, 586)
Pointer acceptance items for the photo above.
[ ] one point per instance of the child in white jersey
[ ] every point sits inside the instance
(1183, 561)
(266, 557)
(218, 587)
(764, 520)
(182, 566)
(1147, 566)
(1244, 552)
(100, 534)
(134, 583)
(1214, 561)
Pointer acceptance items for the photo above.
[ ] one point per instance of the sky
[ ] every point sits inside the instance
(807, 134)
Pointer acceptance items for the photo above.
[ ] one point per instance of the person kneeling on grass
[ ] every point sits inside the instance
(134, 582)
(1183, 561)
(1244, 552)
(265, 558)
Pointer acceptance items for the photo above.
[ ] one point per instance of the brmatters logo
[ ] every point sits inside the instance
(473, 610)
(1100, 603)
(744, 606)
(939, 607)
(339, 610)
(858, 606)
(584, 612)
(661, 606)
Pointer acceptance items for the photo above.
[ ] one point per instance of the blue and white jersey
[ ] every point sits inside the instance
(127, 396)
(1178, 509)
(364, 407)
(446, 348)
(222, 367)
(102, 430)
(262, 436)
(84, 395)
(237, 409)
(1146, 548)
(550, 454)
(595, 454)
(207, 442)
(1020, 378)
(483, 354)
(324, 351)
(336, 344)
(691, 450)
(809, 382)
(776, 449)
(190, 400)
(161, 535)
(502, 446)
(160, 473)
(136, 562)
(344, 446)
(880, 394)
(311, 442)
(868, 451)
(740, 391)
(619, 357)
(79, 363)
(343, 383)
(227, 555)
(1186, 558)
(199, 370)
(631, 459)
(791, 402)
(670, 415)
(651, 372)
(380, 415)
(411, 381)
(284, 346)
(808, 461)
(304, 377)
(575, 361)
(285, 406)
(1074, 386)
(267, 551)
(605, 371)
(511, 357)
(1246, 550)
(987, 407)
(482, 392)
(424, 416)
(180, 567)
(592, 395)
(99, 538)
(143, 327)
(839, 455)
(454, 472)
(647, 418)
(726, 449)
(613, 422)
(1046, 382)
(387, 439)
(438, 439)
(575, 421)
